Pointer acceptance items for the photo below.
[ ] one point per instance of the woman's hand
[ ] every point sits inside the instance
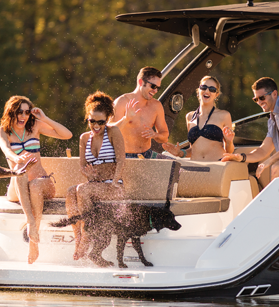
(116, 184)
(23, 158)
(232, 157)
(171, 148)
(26, 167)
(228, 134)
(90, 172)
(38, 113)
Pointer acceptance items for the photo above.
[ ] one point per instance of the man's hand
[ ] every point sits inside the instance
(131, 110)
(148, 132)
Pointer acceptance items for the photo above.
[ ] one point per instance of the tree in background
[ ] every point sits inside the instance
(56, 52)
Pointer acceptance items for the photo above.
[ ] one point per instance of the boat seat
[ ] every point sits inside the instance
(51, 206)
(147, 182)
(183, 206)
(199, 205)
(144, 179)
(203, 187)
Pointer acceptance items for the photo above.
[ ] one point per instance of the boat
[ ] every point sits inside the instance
(228, 245)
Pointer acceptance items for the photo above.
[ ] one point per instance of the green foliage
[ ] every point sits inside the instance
(57, 52)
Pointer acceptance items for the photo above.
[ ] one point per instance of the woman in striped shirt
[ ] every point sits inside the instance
(102, 157)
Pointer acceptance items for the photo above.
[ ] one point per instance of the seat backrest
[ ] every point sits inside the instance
(264, 179)
(144, 179)
(201, 179)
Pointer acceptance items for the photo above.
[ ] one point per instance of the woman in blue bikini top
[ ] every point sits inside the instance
(21, 127)
(209, 129)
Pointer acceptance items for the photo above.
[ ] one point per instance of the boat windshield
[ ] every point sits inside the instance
(252, 132)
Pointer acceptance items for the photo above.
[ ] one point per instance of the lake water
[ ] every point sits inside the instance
(34, 299)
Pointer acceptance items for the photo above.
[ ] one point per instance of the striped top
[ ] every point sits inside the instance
(31, 145)
(106, 154)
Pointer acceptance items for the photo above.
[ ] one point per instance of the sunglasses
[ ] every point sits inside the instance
(99, 122)
(204, 87)
(20, 112)
(153, 86)
(261, 98)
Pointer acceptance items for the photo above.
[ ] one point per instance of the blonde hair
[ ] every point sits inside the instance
(218, 85)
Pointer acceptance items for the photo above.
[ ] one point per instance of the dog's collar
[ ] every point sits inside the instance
(150, 221)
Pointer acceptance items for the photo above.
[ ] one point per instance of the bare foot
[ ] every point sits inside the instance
(33, 233)
(33, 252)
(83, 246)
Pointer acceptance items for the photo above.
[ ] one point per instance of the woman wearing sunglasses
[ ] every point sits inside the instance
(209, 129)
(21, 127)
(102, 157)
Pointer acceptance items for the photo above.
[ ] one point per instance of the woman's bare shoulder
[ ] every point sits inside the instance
(224, 113)
(189, 115)
(84, 135)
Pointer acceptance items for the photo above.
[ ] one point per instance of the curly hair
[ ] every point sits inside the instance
(10, 113)
(99, 102)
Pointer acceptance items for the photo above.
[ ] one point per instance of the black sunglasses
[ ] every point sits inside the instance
(20, 112)
(204, 87)
(262, 98)
(153, 86)
(99, 122)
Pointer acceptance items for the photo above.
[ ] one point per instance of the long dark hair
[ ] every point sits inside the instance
(11, 111)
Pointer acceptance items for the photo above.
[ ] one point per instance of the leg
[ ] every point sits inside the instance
(275, 170)
(72, 209)
(19, 191)
(121, 241)
(84, 193)
(137, 247)
(101, 242)
(40, 189)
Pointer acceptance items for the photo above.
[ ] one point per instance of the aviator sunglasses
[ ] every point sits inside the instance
(20, 112)
(153, 86)
(261, 98)
(99, 122)
(204, 87)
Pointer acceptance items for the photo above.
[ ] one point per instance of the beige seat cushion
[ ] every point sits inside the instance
(66, 173)
(150, 179)
(204, 179)
(144, 179)
(200, 205)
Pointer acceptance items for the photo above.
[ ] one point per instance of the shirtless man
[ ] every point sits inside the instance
(138, 112)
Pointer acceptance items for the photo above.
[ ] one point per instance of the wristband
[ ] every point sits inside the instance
(184, 153)
(243, 157)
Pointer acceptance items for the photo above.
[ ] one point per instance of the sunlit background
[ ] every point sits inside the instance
(56, 52)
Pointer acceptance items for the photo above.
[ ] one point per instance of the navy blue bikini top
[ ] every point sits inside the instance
(210, 132)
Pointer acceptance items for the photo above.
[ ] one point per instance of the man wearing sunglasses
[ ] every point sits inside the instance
(266, 96)
(138, 112)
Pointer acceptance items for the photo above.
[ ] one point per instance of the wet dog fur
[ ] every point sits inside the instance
(125, 221)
